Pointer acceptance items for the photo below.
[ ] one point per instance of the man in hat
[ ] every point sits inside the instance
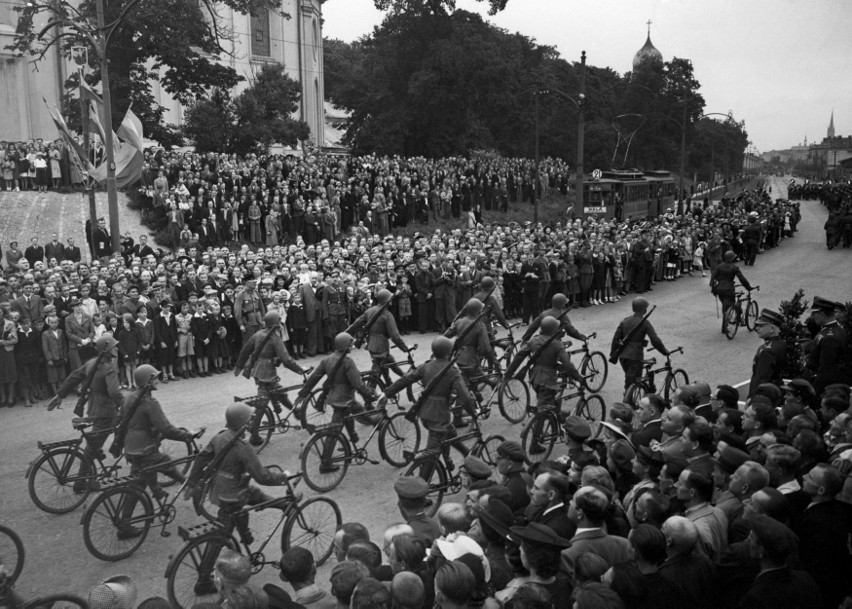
(771, 357)
(828, 360)
(476, 473)
(334, 305)
(411, 492)
(510, 463)
(722, 283)
(105, 399)
(249, 309)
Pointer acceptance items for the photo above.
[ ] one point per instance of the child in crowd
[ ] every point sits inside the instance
(128, 350)
(200, 325)
(698, 258)
(145, 331)
(186, 348)
(55, 353)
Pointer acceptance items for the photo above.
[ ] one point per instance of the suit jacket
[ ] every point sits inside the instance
(613, 550)
(782, 589)
(72, 253)
(825, 534)
(52, 346)
(312, 305)
(651, 431)
(32, 309)
(76, 331)
(54, 250)
(34, 253)
(557, 520)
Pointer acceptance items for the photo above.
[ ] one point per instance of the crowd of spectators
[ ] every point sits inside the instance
(37, 165)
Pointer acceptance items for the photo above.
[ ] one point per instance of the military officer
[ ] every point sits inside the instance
(264, 369)
(105, 399)
(558, 303)
(828, 359)
(771, 356)
(249, 309)
(411, 492)
(334, 307)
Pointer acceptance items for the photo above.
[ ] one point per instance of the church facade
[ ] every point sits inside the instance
(833, 154)
(266, 37)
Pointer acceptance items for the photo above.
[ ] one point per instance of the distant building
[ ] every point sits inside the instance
(266, 37)
(648, 52)
(830, 154)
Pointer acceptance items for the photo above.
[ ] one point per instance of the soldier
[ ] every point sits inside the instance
(435, 409)
(771, 356)
(424, 294)
(264, 371)
(147, 427)
(722, 284)
(486, 296)
(104, 401)
(249, 309)
(382, 329)
(472, 345)
(558, 304)
(231, 487)
(828, 358)
(631, 353)
(334, 305)
(344, 380)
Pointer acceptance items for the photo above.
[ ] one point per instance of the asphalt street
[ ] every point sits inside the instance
(686, 316)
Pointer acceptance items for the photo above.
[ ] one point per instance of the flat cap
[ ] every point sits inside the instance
(411, 487)
(768, 316)
(511, 450)
(730, 458)
(824, 304)
(476, 468)
(622, 452)
(538, 534)
(799, 387)
(577, 428)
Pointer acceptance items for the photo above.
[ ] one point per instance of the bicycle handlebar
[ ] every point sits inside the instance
(591, 336)
(307, 371)
(514, 325)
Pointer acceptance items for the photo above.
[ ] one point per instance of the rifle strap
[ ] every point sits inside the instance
(329, 379)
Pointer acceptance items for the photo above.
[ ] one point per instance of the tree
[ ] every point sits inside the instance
(434, 7)
(218, 110)
(263, 113)
(341, 60)
(181, 38)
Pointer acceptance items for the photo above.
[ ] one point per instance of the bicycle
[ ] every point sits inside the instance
(53, 480)
(512, 395)
(445, 478)
(378, 382)
(675, 377)
(271, 420)
(104, 519)
(738, 315)
(594, 367)
(12, 556)
(507, 344)
(397, 435)
(545, 427)
(311, 524)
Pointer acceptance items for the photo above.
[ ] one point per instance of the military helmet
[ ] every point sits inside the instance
(383, 296)
(237, 415)
(559, 300)
(343, 341)
(729, 256)
(271, 319)
(105, 343)
(143, 375)
(442, 346)
(549, 325)
(473, 307)
(487, 283)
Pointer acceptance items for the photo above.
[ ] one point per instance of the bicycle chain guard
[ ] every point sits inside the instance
(258, 560)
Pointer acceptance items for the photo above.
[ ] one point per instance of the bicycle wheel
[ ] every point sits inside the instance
(594, 369)
(751, 314)
(539, 435)
(732, 322)
(189, 575)
(268, 425)
(319, 478)
(310, 417)
(312, 526)
(487, 449)
(438, 480)
(634, 394)
(175, 451)
(513, 398)
(57, 601)
(11, 554)
(593, 409)
(105, 525)
(674, 379)
(397, 436)
(52, 478)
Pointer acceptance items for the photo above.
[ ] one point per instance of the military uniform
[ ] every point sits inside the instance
(334, 310)
(565, 324)
(381, 333)
(105, 399)
(544, 373)
(265, 372)
(632, 355)
(472, 346)
(828, 357)
(249, 311)
(724, 287)
(493, 308)
(768, 363)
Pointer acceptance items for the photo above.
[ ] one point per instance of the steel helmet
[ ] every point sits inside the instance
(105, 343)
(383, 296)
(549, 325)
(143, 375)
(559, 300)
(343, 341)
(442, 346)
(473, 307)
(729, 256)
(237, 415)
(271, 319)
(487, 283)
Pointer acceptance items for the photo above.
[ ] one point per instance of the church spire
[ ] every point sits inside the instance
(831, 125)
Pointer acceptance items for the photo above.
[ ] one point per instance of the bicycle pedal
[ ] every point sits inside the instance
(165, 533)
(373, 462)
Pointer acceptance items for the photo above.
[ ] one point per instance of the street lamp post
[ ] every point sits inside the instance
(537, 180)
(581, 133)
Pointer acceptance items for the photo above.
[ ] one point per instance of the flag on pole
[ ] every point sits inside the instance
(77, 155)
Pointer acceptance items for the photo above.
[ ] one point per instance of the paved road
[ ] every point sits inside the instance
(686, 315)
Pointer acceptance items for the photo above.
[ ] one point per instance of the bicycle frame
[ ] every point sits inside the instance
(101, 470)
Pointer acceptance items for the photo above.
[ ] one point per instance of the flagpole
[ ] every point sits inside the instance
(90, 185)
(111, 187)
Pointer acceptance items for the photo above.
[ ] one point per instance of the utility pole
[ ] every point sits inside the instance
(111, 187)
(681, 197)
(581, 130)
(90, 184)
(537, 175)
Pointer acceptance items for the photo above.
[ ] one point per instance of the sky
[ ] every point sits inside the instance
(782, 66)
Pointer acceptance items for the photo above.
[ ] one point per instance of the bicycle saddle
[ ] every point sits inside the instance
(81, 423)
(650, 362)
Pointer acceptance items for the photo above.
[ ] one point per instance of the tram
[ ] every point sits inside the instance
(629, 194)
